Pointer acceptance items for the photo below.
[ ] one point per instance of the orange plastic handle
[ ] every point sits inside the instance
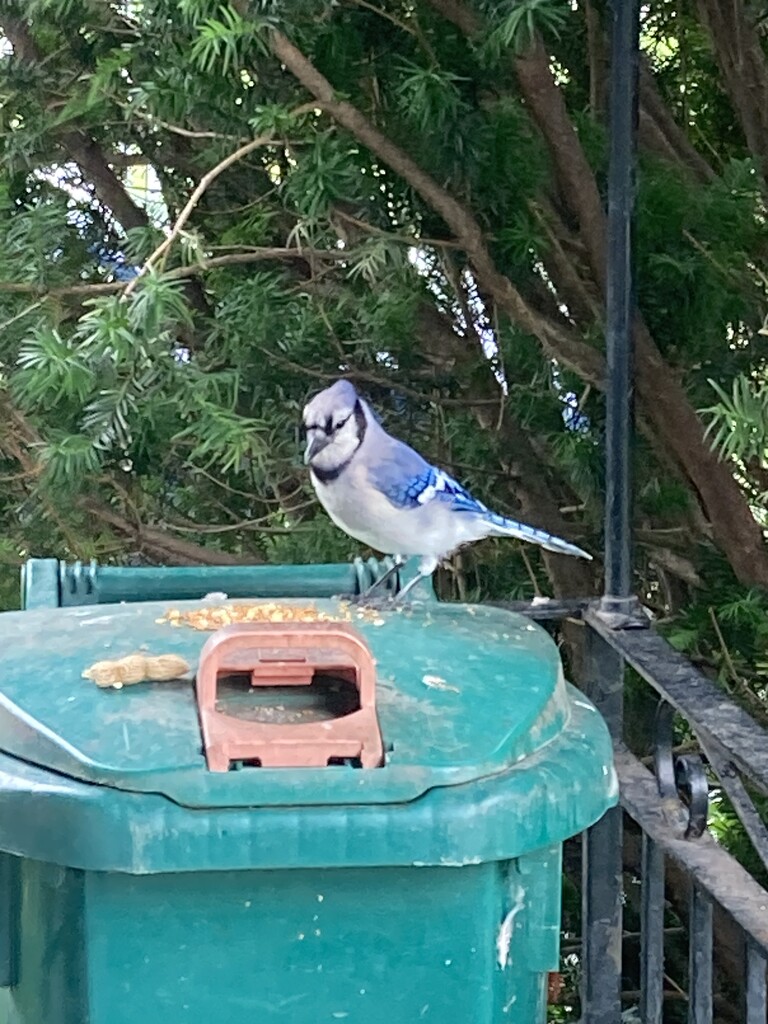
(275, 653)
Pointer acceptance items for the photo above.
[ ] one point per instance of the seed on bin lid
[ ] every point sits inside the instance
(213, 617)
(136, 668)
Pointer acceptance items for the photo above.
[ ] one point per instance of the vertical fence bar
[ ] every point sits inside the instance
(620, 300)
(602, 861)
(652, 934)
(757, 995)
(602, 915)
(602, 857)
(700, 958)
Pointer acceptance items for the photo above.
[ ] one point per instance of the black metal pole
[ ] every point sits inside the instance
(620, 299)
(602, 860)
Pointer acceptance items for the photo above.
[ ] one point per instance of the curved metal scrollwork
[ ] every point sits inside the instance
(680, 775)
(693, 788)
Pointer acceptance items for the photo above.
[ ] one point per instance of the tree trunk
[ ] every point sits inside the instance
(661, 397)
(739, 54)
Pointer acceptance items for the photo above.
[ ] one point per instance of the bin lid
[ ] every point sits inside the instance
(463, 692)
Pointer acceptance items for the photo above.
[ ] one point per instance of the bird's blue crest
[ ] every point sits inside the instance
(343, 392)
(341, 395)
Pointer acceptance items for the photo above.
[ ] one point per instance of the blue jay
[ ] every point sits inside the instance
(384, 494)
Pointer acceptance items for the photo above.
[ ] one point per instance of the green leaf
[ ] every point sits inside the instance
(515, 22)
(69, 461)
(51, 367)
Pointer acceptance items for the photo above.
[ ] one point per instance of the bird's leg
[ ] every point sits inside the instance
(426, 567)
(399, 597)
(397, 563)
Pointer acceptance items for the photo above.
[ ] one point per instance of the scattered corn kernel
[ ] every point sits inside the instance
(215, 617)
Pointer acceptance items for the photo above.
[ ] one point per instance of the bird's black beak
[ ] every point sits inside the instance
(315, 445)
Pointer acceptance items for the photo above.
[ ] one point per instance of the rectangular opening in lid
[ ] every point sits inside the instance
(325, 698)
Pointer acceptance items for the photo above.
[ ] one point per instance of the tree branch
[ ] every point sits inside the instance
(662, 397)
(185, 133)
(662, 134)
(161, 545)
(79, 146)
(556, 340)
(255, 255)
(87, 154)
(207, 179)
(740, 56)
(192, 202)
(597, 61)
(579, 294)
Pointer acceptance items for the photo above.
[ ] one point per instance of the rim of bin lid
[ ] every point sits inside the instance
(463, 693)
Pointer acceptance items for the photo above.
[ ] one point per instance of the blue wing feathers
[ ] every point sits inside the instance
(402, 490)
(458, 496)
(409, 482)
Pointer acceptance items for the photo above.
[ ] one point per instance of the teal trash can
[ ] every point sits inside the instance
(140, 884)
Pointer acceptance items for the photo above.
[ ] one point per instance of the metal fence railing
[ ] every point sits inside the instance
(668, 802)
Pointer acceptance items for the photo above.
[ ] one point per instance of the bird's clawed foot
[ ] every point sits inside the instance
(376, 602)
(379, 595)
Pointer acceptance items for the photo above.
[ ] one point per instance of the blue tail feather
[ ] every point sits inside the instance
(503, 527)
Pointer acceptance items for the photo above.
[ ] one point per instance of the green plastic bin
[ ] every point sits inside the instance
(140, 887)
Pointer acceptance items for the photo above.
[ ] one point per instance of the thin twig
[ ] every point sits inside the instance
(207, 179)
(673, 984)
(412, 31)
(740, 684)
(531, 573)
(25, 474)
(246, 494)
(28, 309)
(727, 272)
(24, 288)
(371, 378)
(384, 14)
(244, 524)
(724, 647)
(455, 569)
(633, 995)
(248, 254)
(444, 243)
(331, 332)
(177, 273)
(185, 132)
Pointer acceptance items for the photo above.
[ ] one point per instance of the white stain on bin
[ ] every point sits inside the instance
(504, 938)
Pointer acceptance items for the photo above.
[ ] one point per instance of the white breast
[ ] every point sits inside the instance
(365, 514)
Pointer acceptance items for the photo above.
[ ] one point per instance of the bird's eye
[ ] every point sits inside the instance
(340, 423)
